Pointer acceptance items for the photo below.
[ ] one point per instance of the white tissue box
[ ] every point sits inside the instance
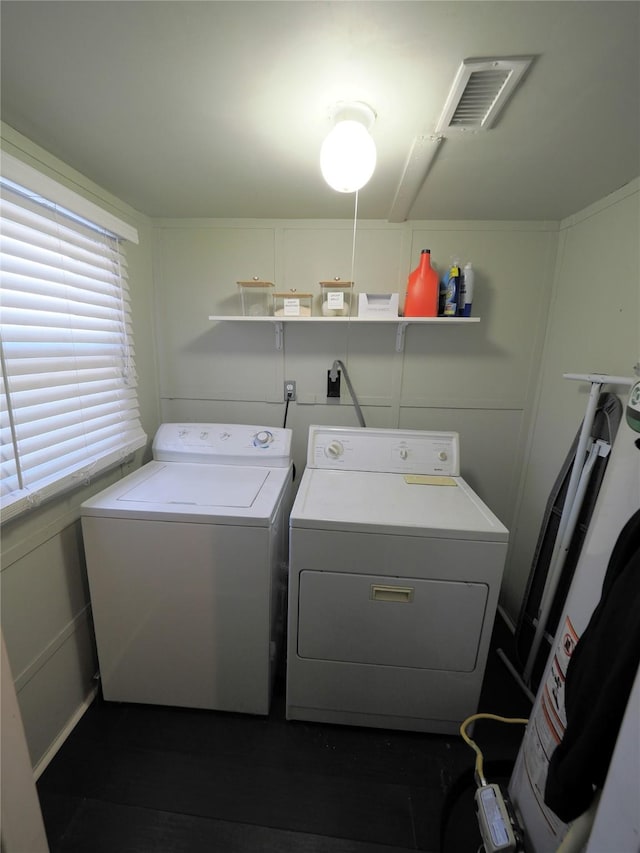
(378, 305)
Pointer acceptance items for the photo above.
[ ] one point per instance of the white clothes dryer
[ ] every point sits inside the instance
(186, 561)
(395, 570)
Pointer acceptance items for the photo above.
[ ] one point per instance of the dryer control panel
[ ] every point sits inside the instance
(223, 444)
(384, 450)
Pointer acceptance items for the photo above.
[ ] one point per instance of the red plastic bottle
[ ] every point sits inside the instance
(423, 287)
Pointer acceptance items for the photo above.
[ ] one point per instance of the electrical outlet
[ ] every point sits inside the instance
(333, 385)
(289, 389)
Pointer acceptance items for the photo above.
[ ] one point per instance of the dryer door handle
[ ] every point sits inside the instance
(399, 594)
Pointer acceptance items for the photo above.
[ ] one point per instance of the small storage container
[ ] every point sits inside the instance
(256, 298)
(380, 306)
(336, 298)
(290, 303)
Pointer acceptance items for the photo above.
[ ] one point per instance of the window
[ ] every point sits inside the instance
(68, 398)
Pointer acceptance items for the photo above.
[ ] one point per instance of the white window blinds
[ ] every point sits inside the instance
(68, 396)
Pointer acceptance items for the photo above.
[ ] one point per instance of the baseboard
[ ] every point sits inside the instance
(75, 718)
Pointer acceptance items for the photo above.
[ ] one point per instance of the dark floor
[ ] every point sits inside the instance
(147, 779)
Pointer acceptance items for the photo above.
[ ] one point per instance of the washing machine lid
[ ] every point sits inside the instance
(365, 501)
(168, 491)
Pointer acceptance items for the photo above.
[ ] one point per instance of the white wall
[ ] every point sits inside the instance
(594, 327)
(46, 618)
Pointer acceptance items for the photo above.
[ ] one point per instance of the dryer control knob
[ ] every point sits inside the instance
(263, 438)
(334, 450)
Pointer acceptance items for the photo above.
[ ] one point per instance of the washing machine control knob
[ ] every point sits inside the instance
(443, 456)
(334, 450)
(404, 453)
(263, 438)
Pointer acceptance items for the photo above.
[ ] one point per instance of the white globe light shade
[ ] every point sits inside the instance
(348, 156)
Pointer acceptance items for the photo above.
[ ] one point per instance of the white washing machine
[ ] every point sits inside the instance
(186, 560)
(394, 575)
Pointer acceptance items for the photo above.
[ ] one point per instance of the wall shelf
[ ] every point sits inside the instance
(400, 322)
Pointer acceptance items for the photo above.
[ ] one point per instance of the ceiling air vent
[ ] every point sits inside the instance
(480, 90)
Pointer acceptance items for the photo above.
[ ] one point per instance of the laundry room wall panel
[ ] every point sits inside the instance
(46, 622)
(490, 465)
(220, 363)
(321, 252)
(56, 569)
(197, 268)
(594, 327)
(367, 352)
(223, 411)
(480, 379)
(54, 695)
(600, 279)
(491, 363)
(203, 260)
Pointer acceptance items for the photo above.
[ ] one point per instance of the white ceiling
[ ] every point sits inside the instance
(218, 109)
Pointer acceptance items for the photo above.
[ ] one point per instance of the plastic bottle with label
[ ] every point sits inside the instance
(453, 290)
(464, 310)
(442, 296)
(461, 294)
(423, 284)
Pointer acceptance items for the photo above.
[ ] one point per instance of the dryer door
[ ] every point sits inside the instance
(390, 621)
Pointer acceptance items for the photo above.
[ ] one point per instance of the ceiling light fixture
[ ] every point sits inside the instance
(348, 154)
